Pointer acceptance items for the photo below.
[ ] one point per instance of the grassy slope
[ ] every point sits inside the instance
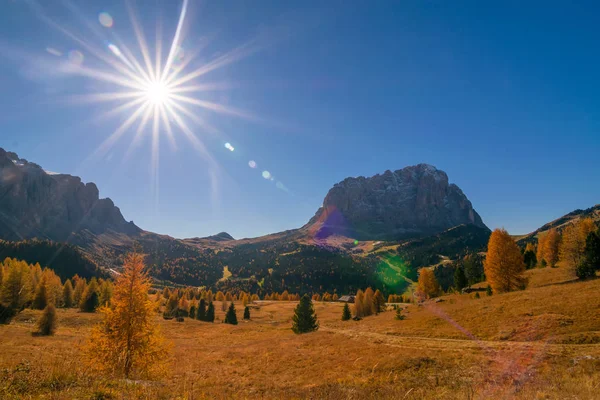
(517, 345)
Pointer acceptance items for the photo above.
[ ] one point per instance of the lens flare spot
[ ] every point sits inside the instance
(356, 242)
(76, 57)
(114, 49)
(266, 175)
(106, 20)
(53, 51)
(252, 164)
(229, 147)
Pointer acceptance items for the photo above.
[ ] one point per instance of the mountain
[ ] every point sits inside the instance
(560, 223)
(35, 204)
(415, 201)
(412, 214)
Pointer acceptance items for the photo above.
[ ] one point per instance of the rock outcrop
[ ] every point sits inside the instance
(34, 203)
(412, 202)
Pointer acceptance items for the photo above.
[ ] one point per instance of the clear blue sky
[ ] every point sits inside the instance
(504, 97)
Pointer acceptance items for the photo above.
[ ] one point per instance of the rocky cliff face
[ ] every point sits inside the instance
(411, 202)
(34, 203)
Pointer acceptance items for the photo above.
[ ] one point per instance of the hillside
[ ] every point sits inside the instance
(559, 223)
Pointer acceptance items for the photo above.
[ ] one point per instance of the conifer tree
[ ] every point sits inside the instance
(460, 279)
(231, 317)
(193, 311)
(40, 299)
(368, 303)
(201, 311)
(210, 312)
(346, 313)
(90, 299)
(378, 302)
(572, 247)
(358, 304)
(305, 319)
(80, 286)
(127, 343)
(591, 258)
(246, 312)
(504, 264)
(16, 285)
(67, 295)
(550, 248)
(47, 324)
(105, 293)
(428, 284)
(335, 297)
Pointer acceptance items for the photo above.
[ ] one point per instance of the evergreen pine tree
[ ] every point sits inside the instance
(246, 312)
(210, 312)
(201, 311)
(47, 324)
(231, 317)
(460, 279)
(346, 315)
(305, 319)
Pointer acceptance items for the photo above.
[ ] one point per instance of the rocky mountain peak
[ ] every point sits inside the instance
(34, 203)
(410, 202)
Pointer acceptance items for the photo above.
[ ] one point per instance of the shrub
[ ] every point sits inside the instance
(48, 322)
(6, 314)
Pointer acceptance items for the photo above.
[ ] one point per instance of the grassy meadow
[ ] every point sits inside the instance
(541, 343)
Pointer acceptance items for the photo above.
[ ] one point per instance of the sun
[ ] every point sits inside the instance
(157, 93)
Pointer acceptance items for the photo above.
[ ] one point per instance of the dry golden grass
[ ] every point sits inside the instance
(535, 344)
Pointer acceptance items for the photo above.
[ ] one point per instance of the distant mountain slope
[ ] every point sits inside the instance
(421, 216)
(560, 223)
(412, 202)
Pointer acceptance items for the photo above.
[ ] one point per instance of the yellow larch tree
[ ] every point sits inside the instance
(428, 284)
(551, 244)
(128, 343)
(503, 265)
(574, 236)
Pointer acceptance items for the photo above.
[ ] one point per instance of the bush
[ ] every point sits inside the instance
(6, 314)
(47, 324)
(585, 270)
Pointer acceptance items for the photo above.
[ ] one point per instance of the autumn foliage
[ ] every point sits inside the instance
(572, 247)
(127, 343)
(504, 264)
(428, 284)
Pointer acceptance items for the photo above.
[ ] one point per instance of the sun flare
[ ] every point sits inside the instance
(157, 93)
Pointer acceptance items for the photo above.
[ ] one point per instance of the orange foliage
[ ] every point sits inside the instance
(504, 264)
(128, 343)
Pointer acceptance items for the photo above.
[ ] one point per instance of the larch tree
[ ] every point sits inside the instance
(550, 248)
(80, 286)
(40, 299)
(504, 264)
(573, 242)
(90, 300)
(16, 285)
(428, 284)
(378, 302)
(304, 319)
(539, 255)
(128, 343)
(358, 304)
(67, 294)
(47, 324)
(368, 307)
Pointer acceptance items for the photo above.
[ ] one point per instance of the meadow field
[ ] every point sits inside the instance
(541, 343)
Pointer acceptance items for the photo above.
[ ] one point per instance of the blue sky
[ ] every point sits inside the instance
(503, 97)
